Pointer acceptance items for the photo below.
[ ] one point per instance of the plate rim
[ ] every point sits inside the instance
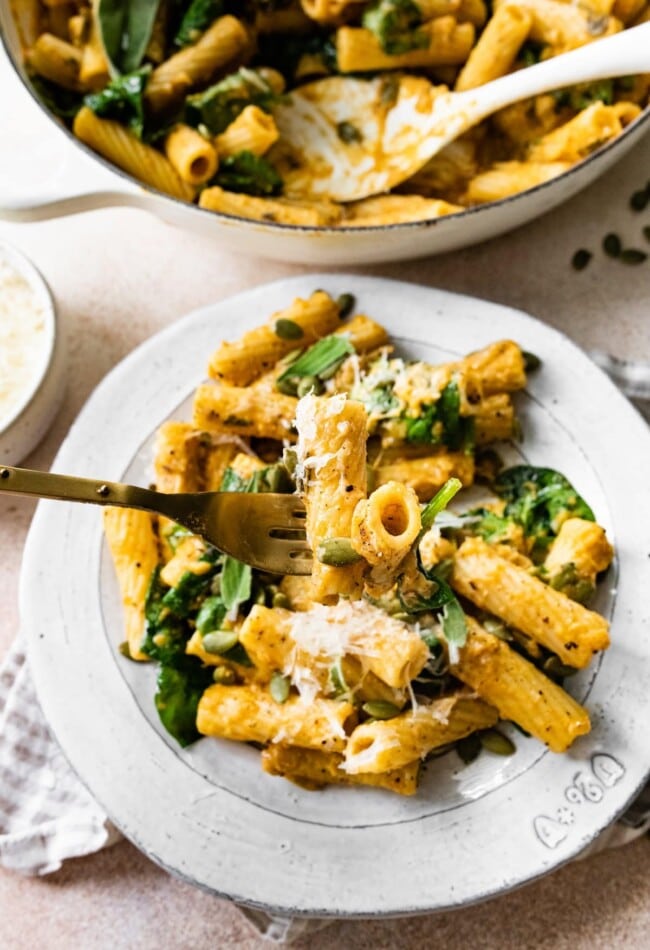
(290, 286)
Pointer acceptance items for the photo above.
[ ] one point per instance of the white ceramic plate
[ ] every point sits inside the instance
(209, 813)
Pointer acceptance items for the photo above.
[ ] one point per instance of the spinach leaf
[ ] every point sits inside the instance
(236, 579)
(284, 51)
(395, 24)
(125, 27)
(441, 423)
(539, 499)
(211, 614)
(585, 94)
(322, 359)
(60, 101)
(248, 173)
(183, 599)
(490, 526)
(220, 104)
(440, 598)
(123, 100)
(232, 481)
(180, 687)
(197, 18)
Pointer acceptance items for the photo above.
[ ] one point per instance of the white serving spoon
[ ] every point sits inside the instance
(346, 138)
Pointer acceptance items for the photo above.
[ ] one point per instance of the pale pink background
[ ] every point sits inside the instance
(118, 277)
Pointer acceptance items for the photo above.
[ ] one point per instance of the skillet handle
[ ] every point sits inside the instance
(42, 174)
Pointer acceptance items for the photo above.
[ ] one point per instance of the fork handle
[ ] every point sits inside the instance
(25, 481)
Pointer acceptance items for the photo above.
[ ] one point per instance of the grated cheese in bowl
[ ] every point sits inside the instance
(25, 341)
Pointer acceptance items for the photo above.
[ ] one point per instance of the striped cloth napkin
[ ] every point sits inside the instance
(48, 816)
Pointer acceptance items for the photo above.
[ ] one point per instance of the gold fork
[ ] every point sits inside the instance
(262, 529)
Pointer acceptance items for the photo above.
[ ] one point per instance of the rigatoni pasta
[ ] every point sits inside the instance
(187, 102)
(416, 628)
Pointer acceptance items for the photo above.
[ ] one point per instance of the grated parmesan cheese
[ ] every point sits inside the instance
(23, 340)
(323, 634)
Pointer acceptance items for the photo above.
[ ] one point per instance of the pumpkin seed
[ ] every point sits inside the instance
(288, 329)
(287, 386)
(556, 668)
(345, 303)
(469, 748)
(337, 552)
(581, 258)
(281, 600)
(639, 200)
(223, 675)
(531, 361)
(309, 384)
(279, 687)
(495, 741)
(381, 709)
(612, 245)
(631, 255)
(219, 641)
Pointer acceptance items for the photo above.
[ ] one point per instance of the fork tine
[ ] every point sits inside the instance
(264, 530)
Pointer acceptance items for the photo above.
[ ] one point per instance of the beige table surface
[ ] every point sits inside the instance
(118, 277)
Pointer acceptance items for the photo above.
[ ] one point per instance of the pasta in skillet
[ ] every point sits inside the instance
(181, 93)
(416, 630)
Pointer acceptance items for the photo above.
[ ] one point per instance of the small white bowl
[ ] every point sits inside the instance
(28, 421)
